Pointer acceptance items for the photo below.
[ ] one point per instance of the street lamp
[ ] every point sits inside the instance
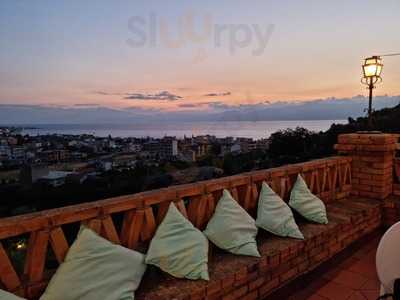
(372, 69)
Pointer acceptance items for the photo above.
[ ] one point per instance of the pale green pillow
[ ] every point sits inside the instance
(179, 248)
(275, 216)
(95, 268)
(231, 228)
(306, 203)
(8, 296)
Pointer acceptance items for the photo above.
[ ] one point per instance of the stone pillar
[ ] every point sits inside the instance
(372, 165)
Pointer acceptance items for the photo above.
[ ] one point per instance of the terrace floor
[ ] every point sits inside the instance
(349, 276)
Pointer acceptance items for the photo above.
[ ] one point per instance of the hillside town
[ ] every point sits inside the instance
(55, 159)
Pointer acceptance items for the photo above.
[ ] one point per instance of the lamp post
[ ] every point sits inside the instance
(372, 69)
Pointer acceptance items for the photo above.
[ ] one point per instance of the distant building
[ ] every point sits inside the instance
(5, 151)
(30, 155)
(78, 155)
(263, 144)
(246, 144)
(124, 161)
(12, 141)
(236, 148)
(191, 149)
(227, 140)
(53, 156)
(30, 174)
(201, 149)
(104, 165)
(166, 147)
(55, 178)
(188, 155)
(133, 148)
(18, 153)
(72, 143)
(77, 177)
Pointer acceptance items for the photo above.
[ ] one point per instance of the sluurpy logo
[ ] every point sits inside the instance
(200, 31)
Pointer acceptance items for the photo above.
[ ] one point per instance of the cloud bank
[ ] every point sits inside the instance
(319, 109)
(223, 94)
(163, 96)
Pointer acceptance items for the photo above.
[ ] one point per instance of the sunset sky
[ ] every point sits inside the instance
(81, 53)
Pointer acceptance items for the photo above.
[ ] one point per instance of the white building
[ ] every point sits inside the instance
(55, 178)
(167, 147)
(235, 148)
(5, 151)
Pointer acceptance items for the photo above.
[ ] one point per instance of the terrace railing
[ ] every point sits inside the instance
(32, 245)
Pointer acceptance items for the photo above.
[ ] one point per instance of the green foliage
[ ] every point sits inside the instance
(210, 160)
(110, 184)
(171, 166)
(244, 162)
(291, 146)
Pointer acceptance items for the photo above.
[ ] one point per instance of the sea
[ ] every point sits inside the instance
(255, 130)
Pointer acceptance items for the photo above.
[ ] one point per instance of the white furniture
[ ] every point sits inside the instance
(388, 259)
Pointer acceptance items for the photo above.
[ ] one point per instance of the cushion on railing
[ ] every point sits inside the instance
(275, 216)
(306, 203)
(8, 296)
(179, 248)
(95, 268)
(231, 228)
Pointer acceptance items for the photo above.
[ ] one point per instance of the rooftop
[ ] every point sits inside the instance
(53, 175)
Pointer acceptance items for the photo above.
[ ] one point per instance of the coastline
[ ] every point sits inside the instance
(250, 129)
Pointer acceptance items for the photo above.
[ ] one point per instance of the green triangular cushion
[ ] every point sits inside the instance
(179, 248)
(231, 228)
(8, 296)
(95, 268)
(306, 203)
(275, 216)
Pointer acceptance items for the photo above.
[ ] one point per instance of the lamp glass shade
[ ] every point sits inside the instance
(372, 67)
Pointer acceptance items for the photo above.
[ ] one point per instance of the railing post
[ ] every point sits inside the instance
(372, 162)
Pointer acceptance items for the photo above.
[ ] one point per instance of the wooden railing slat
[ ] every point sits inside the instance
(324, 179)
(282, 191)
(8, 275)
(149, 225)
(193, 208)
(108, 230)
(36, 256)
(335, 178)
(94, 224)
(58, 243)
(131, 228)
(162, 211)
(254, 195)
(182, 208)
(211, 203)
(201, 211)
(234, 193)
(247, 198)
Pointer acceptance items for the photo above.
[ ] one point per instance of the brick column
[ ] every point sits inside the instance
(372, 165)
